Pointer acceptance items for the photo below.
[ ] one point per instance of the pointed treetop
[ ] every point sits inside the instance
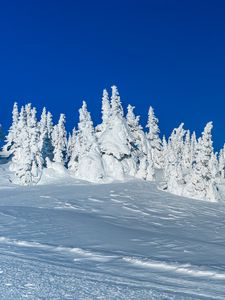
(44, 113)
(193, 137)
(15, 113)
(151, 117)
(208, 128)
(187, 137)
(207, 134)
(62, 119)
(22, 117)
(153, 126)
(206, 138)
(105, 94)
(28, 108)
(116, 102)
(84, 115)
(106, 108)
(132, 120)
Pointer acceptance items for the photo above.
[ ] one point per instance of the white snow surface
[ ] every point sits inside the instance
(69, 239)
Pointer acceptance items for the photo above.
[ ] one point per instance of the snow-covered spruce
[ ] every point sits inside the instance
(106, 113)
(59, 141)
(154, 139)
(86, 162)
(118, 150)
(173, 161)
(142, 153)
(27, 159)
(46, 128)
(71, 144)
(202, 179)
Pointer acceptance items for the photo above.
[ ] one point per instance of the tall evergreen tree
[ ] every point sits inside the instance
(71, 144)
(86, 162)
(116, 105)
(45, 136)
(116, 142)
(106, 113)
(141, 150)
(59, 141)
(202, 180)
(49, 123)
(173, 156)
(27, 159)
(106, 108)
(193, 147)
(154, 139)
(187, 153)
(214, 167)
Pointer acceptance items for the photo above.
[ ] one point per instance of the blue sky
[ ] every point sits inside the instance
(168, 54)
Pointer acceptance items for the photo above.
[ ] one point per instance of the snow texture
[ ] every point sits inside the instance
(69, 239)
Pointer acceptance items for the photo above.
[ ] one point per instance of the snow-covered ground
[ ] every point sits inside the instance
(74, 240)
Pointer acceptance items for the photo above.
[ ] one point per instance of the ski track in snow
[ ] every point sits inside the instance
(114, 241)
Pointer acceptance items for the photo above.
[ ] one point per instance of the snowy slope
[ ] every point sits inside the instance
(73, 240)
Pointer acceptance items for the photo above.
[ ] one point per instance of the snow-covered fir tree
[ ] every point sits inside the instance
(193, 147)
(106, 113)
(71, 144)
(59, 141)
(142, 152)
(164, 149)
(45, 135)
(136, 134)
(86, 162)
(27, 159)
(173, 155)
(116, 105)
(214, 167)
(49, 124)
(202, 179)
(133, 122)
(154, 139)
(187, 159)
(116, 142)
(106, 108)
(69, 148)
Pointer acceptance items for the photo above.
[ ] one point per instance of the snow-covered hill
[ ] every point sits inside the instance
(76, 240)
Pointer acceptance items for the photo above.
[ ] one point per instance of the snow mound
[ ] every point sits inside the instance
(55, 171)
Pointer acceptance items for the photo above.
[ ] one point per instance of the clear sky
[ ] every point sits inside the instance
(168, 54)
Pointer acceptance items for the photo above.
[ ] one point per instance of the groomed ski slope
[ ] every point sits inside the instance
(74, 240)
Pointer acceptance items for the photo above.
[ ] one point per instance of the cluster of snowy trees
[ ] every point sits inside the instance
(115, 149)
